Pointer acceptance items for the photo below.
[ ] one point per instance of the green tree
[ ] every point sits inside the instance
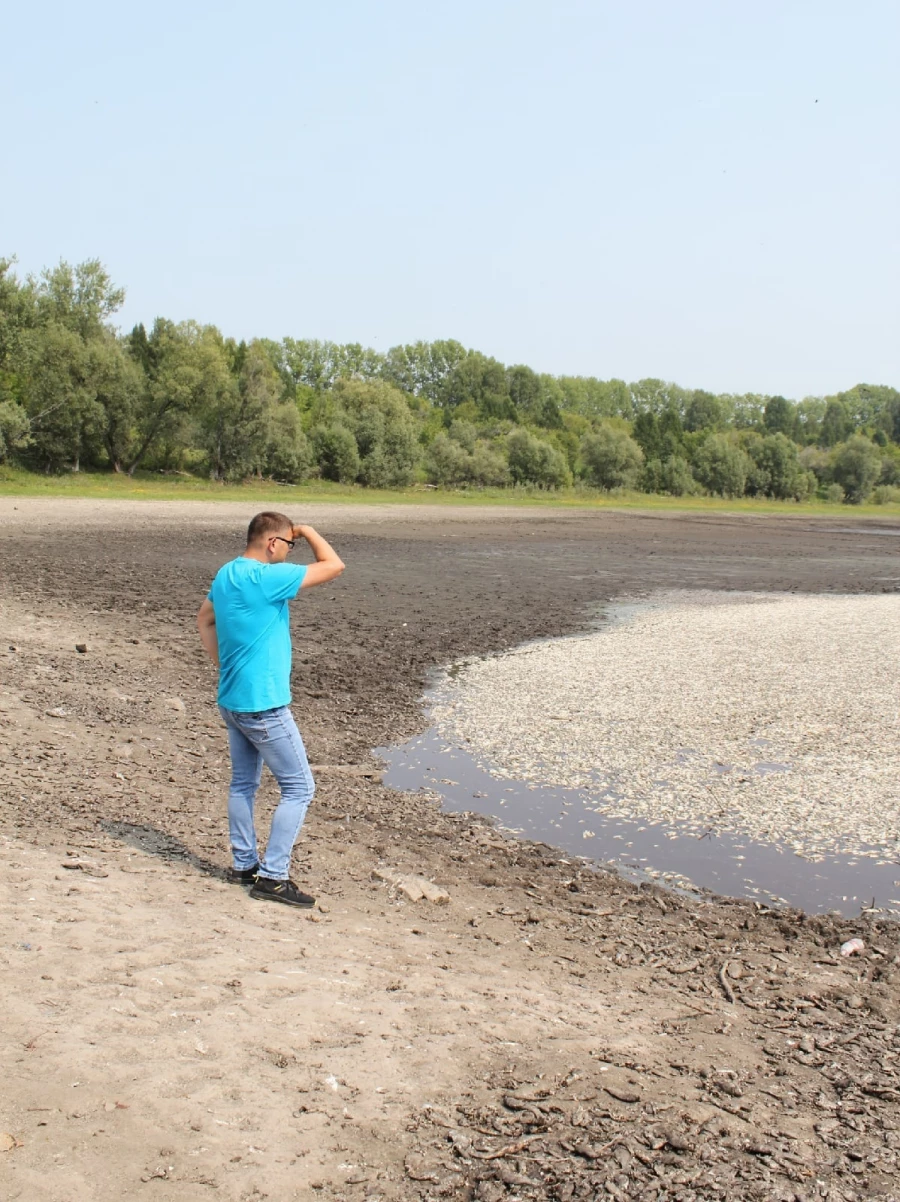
(809, 414)
(721, 466)
(746, 409)
(56, 331)
(836, 423)
(870, 405)
(490, 469)
(184, 365)
(230, 411)
(465, 433)
(447, 462)
(384, 429)
(422, 368)
(778, 472)
(537, 399)
(856, 467)
(611, 458)
(119, 385)
(676, 477)
(287, 454)
(63, 412)
(81, 299)
(524, 388)
(482, 381)
(17, 316)
(646, 434)
(671, 433)
(702, 412)
(533, 461)
(655, 396)
(780, 416)
(335, 451)
(15, 430)
(318, 364)
(594, 398)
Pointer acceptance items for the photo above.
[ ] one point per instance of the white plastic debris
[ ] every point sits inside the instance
(852, 947)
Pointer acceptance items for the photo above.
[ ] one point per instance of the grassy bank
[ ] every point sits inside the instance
(156, 487)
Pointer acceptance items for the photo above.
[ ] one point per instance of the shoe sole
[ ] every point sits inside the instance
(284, 901)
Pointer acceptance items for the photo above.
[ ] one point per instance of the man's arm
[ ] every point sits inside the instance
(328, 563)
(206, 624)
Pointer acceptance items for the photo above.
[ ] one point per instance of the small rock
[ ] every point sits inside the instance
(81, 648)
(86, 867)
(622, 1095)
(417, 887)
(678, 1142)
(58, 712)
(413, 887)
(174, 703)
(13, 647)
(420, 1169)
(8, 1142)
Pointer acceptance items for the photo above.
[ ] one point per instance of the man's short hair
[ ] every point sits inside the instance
(267, 523)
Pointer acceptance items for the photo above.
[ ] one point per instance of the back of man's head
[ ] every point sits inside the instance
(266, 524)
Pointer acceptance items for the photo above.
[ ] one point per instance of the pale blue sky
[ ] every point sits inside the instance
(643, 188)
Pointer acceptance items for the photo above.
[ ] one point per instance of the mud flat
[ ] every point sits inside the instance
(553, 1032)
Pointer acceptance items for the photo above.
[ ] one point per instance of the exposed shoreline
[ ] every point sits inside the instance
(383, 1045)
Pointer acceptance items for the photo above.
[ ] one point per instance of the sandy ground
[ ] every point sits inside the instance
(550, 1032)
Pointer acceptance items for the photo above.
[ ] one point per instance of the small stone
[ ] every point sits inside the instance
(81, 648)
(174, 703)
(417, 887)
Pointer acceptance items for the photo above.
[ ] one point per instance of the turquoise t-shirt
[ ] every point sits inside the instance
(253, 630)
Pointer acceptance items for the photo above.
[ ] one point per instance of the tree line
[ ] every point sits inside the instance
(76, 393)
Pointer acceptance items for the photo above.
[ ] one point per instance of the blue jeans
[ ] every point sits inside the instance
(270, 738)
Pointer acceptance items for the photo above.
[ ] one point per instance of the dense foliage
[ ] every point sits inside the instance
(181, 397)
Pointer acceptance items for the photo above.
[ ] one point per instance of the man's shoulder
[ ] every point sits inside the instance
(234, 569)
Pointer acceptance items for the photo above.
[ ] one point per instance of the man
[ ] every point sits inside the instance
(245, 627)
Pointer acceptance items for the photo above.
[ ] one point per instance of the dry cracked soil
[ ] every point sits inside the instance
(551, 1032)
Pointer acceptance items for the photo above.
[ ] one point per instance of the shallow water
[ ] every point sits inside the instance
(589, 823)
(724, 863)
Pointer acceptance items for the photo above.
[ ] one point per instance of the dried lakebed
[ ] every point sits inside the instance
(746, 743)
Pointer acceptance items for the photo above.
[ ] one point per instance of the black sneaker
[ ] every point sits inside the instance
(242, 876)
(281, 891)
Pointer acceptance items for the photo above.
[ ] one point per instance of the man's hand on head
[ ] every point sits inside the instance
(328, 563)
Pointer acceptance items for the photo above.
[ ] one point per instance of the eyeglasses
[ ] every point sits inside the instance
(278, 539)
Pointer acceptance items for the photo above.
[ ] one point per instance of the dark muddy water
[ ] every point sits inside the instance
(724, 863)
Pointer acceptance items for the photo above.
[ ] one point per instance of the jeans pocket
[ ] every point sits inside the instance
(254, 727)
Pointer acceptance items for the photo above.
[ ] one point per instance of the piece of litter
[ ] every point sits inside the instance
(852, 947)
